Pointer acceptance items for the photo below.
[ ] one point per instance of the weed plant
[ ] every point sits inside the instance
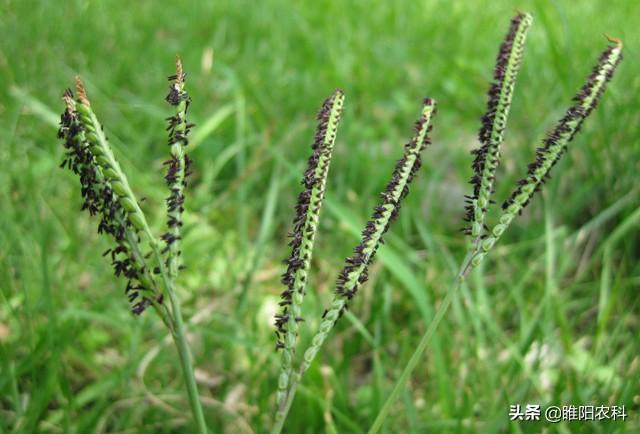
(482, 238)
(151, 264)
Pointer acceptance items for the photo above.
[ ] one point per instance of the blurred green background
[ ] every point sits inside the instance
(552, 318)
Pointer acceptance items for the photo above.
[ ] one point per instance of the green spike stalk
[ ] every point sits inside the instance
(495, 120)
(130, 235)
(305, 227)
(554, 146)
(179, 141)
(355, 269)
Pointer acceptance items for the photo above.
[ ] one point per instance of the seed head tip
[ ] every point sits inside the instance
(82, 93)
(613, 40)
(179, 71)
(67, 97)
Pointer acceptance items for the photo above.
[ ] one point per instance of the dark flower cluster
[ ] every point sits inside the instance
(575, 115)
(376, 227)
(99, 199)
(304, 206)
(179, 164)
(486, 150)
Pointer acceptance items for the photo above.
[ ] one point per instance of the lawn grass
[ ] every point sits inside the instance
(551, 318)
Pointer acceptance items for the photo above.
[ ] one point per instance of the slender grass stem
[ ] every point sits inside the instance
(422, 345)
(283, 411)
(180, 340)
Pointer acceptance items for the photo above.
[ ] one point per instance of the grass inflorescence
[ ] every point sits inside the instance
(151, 265)
(355, 271)
(494, 122)
(106, 191)
(178, 167)
(305, 225)
(485, 164)
(100, 185)
(554, 145)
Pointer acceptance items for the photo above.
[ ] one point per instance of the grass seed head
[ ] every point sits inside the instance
(554, 145)
(494, 121)
(307, 209)
(355, 271)
(305, 224)
(556, 141)
(99, 198)
(178, 167)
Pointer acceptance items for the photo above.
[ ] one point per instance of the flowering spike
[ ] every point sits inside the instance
(555, 144)
(354, 273)
(101, 199)
(494, 122)
(305, 225)
(177, 167)
(100, 147)
(133, 221)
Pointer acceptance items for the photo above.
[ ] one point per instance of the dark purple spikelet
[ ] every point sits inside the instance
(99, 199)
(355, 271)
(308, 206)
(499, 77)
(555, 143)
(178, 167)
(493, 123)
(309, 180)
